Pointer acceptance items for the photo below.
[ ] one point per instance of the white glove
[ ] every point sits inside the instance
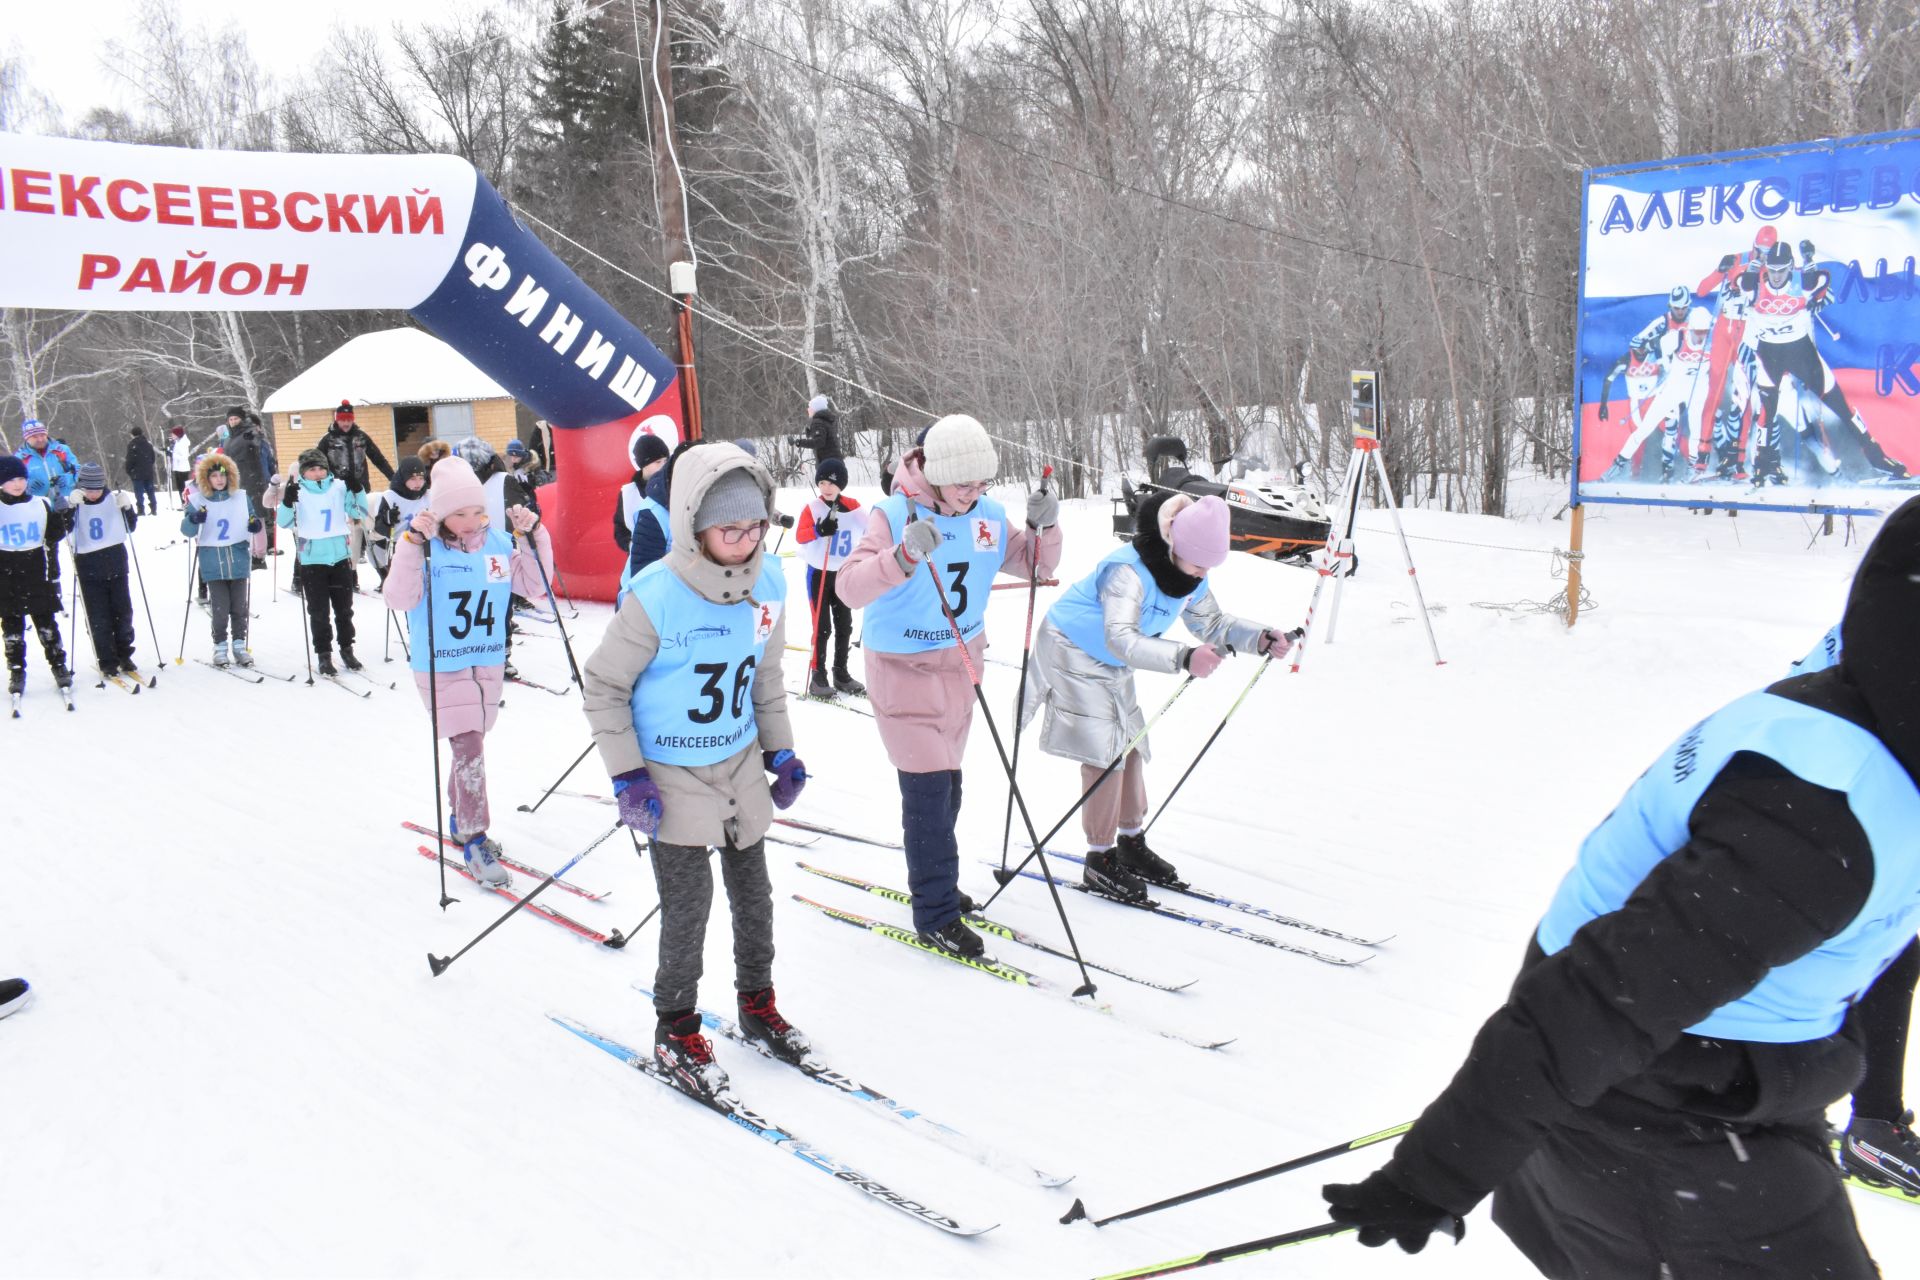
(920, 540)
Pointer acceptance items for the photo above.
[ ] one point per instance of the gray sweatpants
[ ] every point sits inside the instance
(227, 601)
(685, 881)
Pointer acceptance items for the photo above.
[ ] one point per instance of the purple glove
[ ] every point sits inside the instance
(639, 800)
(789, 776)
(1203, 660)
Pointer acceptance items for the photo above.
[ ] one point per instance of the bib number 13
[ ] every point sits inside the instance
(716, 697)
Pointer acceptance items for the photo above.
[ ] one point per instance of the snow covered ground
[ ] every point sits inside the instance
(238, 1063)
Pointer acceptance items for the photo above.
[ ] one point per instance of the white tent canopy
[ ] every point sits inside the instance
(394, 366)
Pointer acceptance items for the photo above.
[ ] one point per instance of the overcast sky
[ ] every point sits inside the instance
(63, 42)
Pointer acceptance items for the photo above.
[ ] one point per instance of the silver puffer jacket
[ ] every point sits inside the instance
(1091, 709)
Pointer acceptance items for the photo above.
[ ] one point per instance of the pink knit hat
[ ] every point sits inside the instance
(454, 486)
(1200, 532)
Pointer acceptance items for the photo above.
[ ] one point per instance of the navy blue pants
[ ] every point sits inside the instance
(109, 619)
(929, 808)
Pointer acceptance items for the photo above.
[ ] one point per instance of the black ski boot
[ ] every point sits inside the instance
(848, 685)
(817, 686)
(62, 677)
(760, 1019)
(1883, 1152)
(1103, 874)
(1136, 857)
(324, 661)
(16, 679)
(347, 659)
(687, 1056)
(956, 939)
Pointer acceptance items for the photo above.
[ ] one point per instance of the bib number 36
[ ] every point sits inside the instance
(716, 697)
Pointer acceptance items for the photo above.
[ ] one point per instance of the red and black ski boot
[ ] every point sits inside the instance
(687, 1056)
(761, 1021)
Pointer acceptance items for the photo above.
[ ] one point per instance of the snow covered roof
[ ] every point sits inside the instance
(394, 366)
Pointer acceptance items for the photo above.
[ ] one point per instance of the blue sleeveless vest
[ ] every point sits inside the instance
(472, 600)
(1822, 655)
(908, 619)
(1808, 998)
(693, 704)
(1081, 620)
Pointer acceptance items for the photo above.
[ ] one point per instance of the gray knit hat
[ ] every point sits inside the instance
(736, 495)
(958, 450)
(93, 476)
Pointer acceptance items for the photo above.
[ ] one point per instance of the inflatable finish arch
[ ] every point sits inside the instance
(106, 226)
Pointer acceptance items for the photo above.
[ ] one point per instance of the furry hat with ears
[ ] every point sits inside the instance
(211, 463)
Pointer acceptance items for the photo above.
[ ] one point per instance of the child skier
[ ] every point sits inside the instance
(829, 526)
(938, 513)
(475, 567)
(101, 522)
(685, 701)
(221, 520)
(318, 508)
(1106, 626)
(30, 533)
(395, 509)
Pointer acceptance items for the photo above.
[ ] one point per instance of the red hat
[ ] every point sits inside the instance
(344, 411)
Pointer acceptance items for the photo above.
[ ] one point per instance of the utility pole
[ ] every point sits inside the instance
(682, 264)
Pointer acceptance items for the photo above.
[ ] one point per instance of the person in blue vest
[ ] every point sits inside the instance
(686, 704)
(1651, 1100)
(642, 495)
(30, 533)
(460, 671)
(102, 519)
(51, 469)
(1108, 625)
(938, 520)
(221, 520)
(319, 508)
(1879, 1143)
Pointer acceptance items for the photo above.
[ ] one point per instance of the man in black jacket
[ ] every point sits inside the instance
(348, 450)
(139, 464)
(252, 451)
(1651, 1099)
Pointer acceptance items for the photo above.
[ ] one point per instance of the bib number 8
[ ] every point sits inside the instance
(710, 689)
(96, 528)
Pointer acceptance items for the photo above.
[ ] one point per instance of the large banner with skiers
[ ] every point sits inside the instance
(1749, 329)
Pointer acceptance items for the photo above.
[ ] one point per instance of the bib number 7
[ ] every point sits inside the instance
(710, 689)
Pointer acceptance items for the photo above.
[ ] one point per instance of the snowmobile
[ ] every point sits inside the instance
(1270, 518)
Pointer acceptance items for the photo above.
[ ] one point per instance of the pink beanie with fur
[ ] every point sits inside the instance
(1201, 533)
(454, 486)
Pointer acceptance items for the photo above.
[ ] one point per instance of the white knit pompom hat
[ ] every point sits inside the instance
(958, 450)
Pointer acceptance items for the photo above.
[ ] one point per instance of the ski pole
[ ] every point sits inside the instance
(551, 599)
(439, 964)
(433, 714)
(1087, 987)
(619, 939)
(819, 604)
(1020, 699)
(1006, 877)
(141, 578)
(535, 806)
(1079, 1211)
(193, 572)
(1228, 1253)
(386, 640)
(1258, 671)
(306, 614)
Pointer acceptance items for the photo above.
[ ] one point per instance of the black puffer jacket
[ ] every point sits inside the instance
(348, 453)
(1773, 867)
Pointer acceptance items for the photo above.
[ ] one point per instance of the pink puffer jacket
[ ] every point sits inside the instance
(470, 698)
(924, 701)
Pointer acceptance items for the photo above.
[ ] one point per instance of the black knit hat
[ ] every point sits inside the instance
(649, 449)
(831, 469)
(238, 411)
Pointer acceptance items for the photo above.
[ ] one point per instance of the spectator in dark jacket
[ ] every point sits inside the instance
(251, 449)
(348, 450)
(1651, 1100)
(139, 464)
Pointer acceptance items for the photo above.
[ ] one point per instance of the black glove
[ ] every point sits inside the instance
(197, 514)
(1806, 253)
(827, 525)
(1603, 411)
(1726, 263)
(1384, 1212)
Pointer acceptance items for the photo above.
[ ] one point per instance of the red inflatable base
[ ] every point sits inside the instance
(590, 465)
